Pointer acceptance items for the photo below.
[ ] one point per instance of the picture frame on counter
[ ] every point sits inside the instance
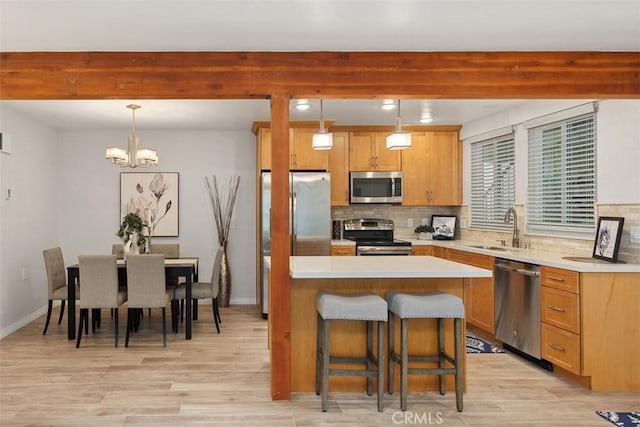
(445, 226)
(608, 236)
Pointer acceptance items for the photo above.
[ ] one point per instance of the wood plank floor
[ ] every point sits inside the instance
(223, 380)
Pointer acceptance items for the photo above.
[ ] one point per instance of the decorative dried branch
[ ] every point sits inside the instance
(222, 212)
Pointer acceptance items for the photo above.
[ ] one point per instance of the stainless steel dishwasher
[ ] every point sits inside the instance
(517, 306)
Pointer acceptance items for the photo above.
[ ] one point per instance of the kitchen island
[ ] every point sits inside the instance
(353, 275)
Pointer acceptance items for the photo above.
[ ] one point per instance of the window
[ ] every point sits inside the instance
(492, 182)
(561, 196)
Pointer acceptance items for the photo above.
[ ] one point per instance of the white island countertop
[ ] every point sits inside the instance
(381, 267)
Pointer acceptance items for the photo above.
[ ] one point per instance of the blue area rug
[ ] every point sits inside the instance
(478, 345)
(621, 419)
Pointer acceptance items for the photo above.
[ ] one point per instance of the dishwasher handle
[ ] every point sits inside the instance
(524, 272)
(504, 267)
(530, 273)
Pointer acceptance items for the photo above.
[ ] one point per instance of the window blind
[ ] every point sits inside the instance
(492, 182)
(561, 197)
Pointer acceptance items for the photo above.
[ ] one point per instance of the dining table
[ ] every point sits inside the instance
(174, 268)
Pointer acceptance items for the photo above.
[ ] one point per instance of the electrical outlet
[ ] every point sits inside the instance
(410, 222)
(25, 273)
(463, 223)
(635, 234)
(425, 221)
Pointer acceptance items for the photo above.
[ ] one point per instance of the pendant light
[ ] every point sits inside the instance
(398, 140)
(134, 156)
(322, 140)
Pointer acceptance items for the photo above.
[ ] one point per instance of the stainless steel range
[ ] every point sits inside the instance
(374, 237)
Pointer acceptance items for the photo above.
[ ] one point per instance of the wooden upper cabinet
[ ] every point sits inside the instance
(339, 168)
(432, 169)
(301, 155)
(264, 148)
(368, 152)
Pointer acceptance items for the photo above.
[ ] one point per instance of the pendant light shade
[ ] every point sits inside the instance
(133, 156)
(398, 140)
(322, 140)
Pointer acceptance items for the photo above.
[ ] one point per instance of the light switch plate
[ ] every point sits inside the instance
(410, 222)
(635, 234)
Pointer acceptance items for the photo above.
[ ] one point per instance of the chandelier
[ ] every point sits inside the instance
(133, 156)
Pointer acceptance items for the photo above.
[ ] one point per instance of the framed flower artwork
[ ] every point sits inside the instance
(607, 242)
(153, 196)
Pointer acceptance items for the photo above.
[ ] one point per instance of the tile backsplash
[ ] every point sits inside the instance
(401, 215)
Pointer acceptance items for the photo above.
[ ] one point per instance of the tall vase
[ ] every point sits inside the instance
(225, 278)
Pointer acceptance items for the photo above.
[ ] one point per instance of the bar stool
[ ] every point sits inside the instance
(370, 308)
(433, 305)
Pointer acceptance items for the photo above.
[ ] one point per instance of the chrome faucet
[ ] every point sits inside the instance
(515, 240)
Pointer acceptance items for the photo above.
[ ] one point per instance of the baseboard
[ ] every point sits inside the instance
(4, 332)
(242, 301)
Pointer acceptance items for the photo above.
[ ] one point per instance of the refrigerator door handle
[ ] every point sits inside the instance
(294, 225)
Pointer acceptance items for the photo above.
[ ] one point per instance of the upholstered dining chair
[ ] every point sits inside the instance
(202, 290)
(56, 282)
(117, 250)
(169, 250)
(99, 278)
(146, 288)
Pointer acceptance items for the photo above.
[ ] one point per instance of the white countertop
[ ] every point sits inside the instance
(532, 256)
(381, 267)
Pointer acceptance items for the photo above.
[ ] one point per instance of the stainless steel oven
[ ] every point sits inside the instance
(374, 237)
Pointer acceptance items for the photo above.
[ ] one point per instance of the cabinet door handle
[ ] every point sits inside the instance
(556, 346)
(556, 279)
(554, 308)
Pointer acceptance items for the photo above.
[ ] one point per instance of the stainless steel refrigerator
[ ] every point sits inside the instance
(310, 222)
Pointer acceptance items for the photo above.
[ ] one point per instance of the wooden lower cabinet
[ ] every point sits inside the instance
(589, 327)
(479, 293)
(343, 250)
(422, 250)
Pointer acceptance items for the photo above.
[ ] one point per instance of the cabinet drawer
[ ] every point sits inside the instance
(560, 309)
(470, 258)
(560, 347)
(343, 250)
(558, 278)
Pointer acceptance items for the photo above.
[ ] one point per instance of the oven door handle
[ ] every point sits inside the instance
(383, 250)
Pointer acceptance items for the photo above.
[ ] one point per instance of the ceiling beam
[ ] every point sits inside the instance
(241, 75)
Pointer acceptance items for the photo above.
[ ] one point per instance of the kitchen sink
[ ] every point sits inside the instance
(489, 247)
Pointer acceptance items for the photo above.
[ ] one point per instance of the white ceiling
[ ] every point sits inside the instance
(300, 25)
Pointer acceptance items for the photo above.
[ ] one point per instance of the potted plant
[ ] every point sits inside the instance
(424, 231)
(132, 233)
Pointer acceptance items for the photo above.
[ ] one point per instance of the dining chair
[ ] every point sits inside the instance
(118, 250)
(99, 278)
(202, 290)
(147, 288)
(56, 282)
(169, 250)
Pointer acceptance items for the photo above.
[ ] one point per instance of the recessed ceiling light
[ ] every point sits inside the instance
(388, 104)
(303, 105)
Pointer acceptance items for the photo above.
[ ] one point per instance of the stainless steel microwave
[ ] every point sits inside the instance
(375, 187)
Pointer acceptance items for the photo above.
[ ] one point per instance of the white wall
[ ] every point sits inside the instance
(89, 203)
(618, 145)
(64, 193)
(28, 220)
